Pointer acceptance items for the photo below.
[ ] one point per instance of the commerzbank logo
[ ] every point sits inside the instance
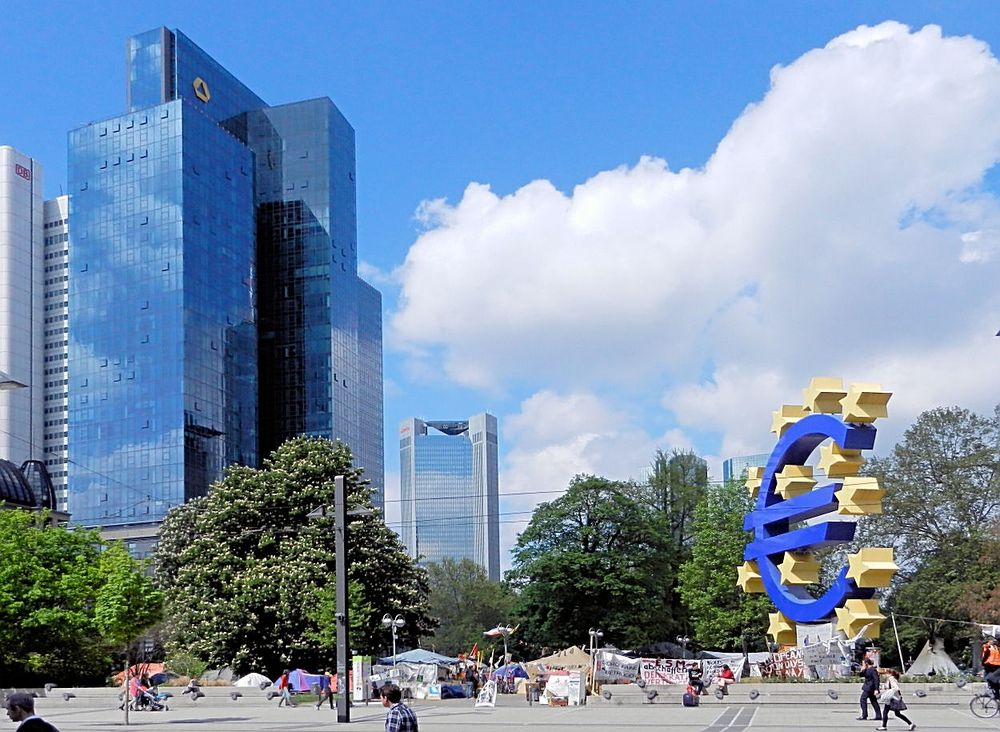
(794, 518)
(201, 90)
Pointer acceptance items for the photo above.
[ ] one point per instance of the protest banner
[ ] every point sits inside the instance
(615, 667)
(666, 670)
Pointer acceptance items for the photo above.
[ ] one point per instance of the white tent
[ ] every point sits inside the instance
(253, 680)
(932, 658)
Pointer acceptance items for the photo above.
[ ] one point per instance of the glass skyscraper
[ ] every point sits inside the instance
(449, 491)
(215, 307)
(734, 468)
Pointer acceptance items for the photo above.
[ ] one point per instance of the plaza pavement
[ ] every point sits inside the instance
(511, 713)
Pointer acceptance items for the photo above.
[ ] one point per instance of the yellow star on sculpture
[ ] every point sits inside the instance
(872, 567)
(837, 463)
(859, 496)
(748, 577)
(785, 417)
(856, 614)
(794, 480)
(781, 629)
(865, 403)
(799, 568)
(823, 395)
(754, 476)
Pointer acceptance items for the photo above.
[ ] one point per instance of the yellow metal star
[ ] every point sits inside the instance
(823, 395)
(754, 476)
(799, 568)
(748, 577)
(859, 496)
(781, 629)
(856, 614)
(872, 567)
(794, 480)
(865, 403)
(785, 417)
(837, 463)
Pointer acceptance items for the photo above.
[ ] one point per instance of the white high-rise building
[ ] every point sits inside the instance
(56, 342)
(449, 491)
(21, 306)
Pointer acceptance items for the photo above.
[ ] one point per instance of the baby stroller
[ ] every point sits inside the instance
(151, 700)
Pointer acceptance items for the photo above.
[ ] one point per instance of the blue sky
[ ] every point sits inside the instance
(619, 226)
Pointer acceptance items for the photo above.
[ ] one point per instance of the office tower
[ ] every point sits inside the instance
(449, 491)
(215, 305)
(21, 308)
(55, 343)
(734, 468)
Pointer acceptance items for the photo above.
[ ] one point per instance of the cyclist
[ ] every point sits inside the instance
(991, 665)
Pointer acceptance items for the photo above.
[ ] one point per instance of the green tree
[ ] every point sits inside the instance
(60, 601)
(127, 602)
(596, 556)
(722, 615)
(466, 603)
(932, 595)
(941, 482)
(939, 513)
(244, 571)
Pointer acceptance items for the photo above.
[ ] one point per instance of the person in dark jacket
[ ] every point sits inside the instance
(869, 686)
(21, 708)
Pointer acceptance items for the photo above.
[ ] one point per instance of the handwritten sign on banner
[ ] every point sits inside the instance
(666, 670)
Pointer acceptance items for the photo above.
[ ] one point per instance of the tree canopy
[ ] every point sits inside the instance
(598, 556)
(722, 615)
(246, 575)
(466, 603)
(942, 481)
(940, 514)
(66, 606)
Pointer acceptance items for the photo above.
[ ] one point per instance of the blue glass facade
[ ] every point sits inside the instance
(734, 468)
(214, 298)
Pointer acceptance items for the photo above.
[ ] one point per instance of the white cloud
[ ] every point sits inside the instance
(840, 228)
(375, 276)
(842, 216)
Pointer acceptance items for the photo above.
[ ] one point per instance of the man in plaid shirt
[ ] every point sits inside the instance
(400, 717)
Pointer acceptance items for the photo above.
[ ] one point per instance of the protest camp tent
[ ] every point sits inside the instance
(418, 655)
(253, 679)
(511, 669)
(932, 660)
(300, 680)
(571, 659)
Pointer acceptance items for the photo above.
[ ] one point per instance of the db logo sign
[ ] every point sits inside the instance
(22, 171)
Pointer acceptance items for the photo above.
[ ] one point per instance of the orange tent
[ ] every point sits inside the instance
(139, 669)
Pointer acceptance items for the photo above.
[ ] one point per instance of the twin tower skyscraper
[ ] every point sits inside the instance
(215, 308)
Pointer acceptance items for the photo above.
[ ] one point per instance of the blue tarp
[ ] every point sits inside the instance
(511, 669)
(419, 655)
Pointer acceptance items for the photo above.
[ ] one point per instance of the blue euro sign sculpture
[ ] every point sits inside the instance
(772, 518)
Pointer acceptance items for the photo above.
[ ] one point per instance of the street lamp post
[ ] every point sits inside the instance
(341, 565)
(394, 623)
(683, 640)
(596, 634)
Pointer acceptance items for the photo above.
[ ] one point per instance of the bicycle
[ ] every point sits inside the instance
(984, 705)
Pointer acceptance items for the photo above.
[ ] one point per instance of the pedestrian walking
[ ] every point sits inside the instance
(400, 717)
(326, 689)
(285, 689)
(869, 689)
(892, 699)
(21, 709)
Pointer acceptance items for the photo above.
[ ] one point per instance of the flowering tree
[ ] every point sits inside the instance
(245, 572)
